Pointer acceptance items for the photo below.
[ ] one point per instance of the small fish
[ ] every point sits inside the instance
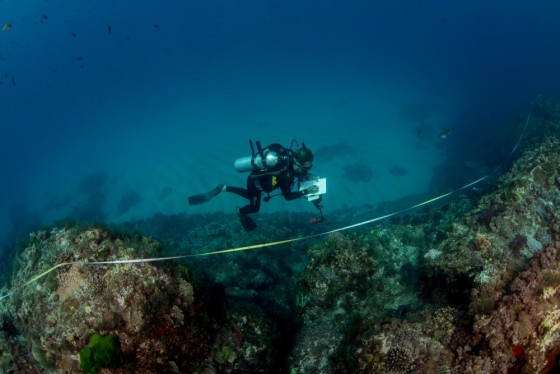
(45, 17)
(73, 34)
(7, 26)
(13, 81)
(444, 134)
(156, 25)
(109, 30)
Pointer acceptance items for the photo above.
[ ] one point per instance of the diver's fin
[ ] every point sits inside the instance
(247, 222)
(204, 197)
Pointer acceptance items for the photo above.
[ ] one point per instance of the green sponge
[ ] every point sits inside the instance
(103, 351)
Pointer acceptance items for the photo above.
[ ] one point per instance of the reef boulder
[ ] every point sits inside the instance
(152, 310)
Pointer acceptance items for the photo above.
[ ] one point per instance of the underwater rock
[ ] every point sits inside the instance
(523, 333)
(464, 286)
(465, 307)
(246, 343)
(348, 277)
(161, 324)
(153, 313)
(511, 224)
(335, 280)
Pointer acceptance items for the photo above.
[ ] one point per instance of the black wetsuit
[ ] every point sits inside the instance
(258, 182)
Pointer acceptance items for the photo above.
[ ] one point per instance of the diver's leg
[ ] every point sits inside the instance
(254, 197)
(237, 190)
(204, 197)
(253, 207)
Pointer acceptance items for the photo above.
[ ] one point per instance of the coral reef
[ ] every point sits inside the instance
(349, 279)
(466, 307)
(153, 313)
(471, 285)
(506, 228)
(523, 333)
(332, 288)
(162, 324)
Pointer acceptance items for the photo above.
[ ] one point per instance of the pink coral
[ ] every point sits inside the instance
(526, 322)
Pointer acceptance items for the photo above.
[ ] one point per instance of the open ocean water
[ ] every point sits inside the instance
(158, 99)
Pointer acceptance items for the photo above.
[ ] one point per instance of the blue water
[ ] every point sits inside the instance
(156, 99)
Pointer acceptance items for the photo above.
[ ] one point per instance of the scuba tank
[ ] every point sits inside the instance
(263, 160)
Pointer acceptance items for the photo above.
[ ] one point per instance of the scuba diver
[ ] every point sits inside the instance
(273, 167)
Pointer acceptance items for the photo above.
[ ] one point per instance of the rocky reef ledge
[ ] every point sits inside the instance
(157, 313)
(470, 285)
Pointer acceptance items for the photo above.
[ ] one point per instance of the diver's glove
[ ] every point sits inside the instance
(311, 190)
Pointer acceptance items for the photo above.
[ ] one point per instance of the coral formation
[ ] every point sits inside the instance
(154, 312)
(141, 305)
(523, 332)
(467, 286)
(473, 311)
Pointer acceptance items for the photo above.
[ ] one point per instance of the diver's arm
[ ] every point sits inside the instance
(286, 189)
(310, 177)
(288, 194)
(291, 195)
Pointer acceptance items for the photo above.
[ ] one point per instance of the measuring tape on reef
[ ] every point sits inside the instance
(269, 244)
